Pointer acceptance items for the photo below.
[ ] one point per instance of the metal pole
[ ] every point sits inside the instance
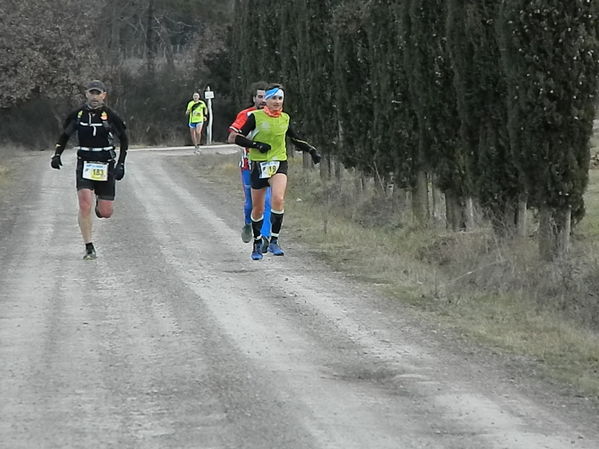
(209, 97)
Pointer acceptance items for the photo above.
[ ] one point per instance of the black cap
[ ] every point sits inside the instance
(95, 85)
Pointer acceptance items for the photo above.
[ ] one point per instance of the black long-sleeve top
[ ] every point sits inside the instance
(95, 128)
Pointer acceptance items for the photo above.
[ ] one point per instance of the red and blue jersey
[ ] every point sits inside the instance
(236, 127)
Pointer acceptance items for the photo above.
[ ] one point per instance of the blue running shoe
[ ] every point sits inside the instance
(257, 250)
(246, 233)
(275, 249)
(265, 243)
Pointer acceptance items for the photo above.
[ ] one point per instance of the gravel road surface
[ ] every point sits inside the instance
(174, 338)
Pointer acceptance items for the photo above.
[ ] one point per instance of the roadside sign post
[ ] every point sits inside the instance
(209, 95)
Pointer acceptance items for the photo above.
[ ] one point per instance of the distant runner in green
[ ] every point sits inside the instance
(196, 113)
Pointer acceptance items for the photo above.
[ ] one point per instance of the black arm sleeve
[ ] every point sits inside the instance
(249, 126)
(300, 143)
(69, 126)
(120, 129)
(244, 142)
(123, 147)
(62, 142)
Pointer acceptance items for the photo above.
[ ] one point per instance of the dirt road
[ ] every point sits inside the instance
(174, 338)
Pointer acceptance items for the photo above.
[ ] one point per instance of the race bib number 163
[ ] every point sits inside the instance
(95, 171)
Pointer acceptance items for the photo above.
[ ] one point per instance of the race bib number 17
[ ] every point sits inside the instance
(268, 169)
(95, 171)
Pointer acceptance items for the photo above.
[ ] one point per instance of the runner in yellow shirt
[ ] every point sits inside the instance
(196, 112)
(266, 130)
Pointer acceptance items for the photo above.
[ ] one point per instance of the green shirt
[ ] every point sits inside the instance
(196, 115)
(270, 130)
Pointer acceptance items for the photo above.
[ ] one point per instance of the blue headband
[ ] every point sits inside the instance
(272, 92)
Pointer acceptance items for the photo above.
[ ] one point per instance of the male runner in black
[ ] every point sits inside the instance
(96, 126)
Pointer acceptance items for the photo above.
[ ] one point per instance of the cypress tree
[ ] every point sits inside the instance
(461, 56)
(242, 64)
(551, 59)
(433, 95)
(308, 67)
(256, 43)
(292, 19)
(394, 121)
(353, 87)
(482, 108)
(420, 207)
(267, 16)
(500, 188)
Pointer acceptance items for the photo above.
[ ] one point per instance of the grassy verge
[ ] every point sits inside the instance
(5, 166)
(496, 294)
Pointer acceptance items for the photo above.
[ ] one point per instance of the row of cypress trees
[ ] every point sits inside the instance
(491, 100)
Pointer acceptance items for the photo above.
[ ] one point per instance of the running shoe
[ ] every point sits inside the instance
(275, 249)
(257, 250)
(90, 254)
(265, 243)
(246, 233)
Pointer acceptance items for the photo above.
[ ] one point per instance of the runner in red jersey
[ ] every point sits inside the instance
(257, 95)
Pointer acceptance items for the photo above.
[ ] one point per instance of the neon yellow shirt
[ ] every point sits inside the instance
(197, 114)
(270, 130)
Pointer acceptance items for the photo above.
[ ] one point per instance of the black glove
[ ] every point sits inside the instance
(262, 147)
(119, 171)
(315, 156)
(243, 141)
(55, 162)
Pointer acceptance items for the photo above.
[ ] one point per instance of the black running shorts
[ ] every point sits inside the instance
(104, 190)
(261, 183)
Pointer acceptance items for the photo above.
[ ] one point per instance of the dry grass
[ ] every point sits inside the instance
(498, 294)
(595, 150)
(7, 153)
(589, 227)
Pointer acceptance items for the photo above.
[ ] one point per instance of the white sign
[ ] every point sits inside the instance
(209, 94)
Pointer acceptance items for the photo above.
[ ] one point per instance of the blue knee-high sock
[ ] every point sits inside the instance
(247, 193)
(266, 227)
